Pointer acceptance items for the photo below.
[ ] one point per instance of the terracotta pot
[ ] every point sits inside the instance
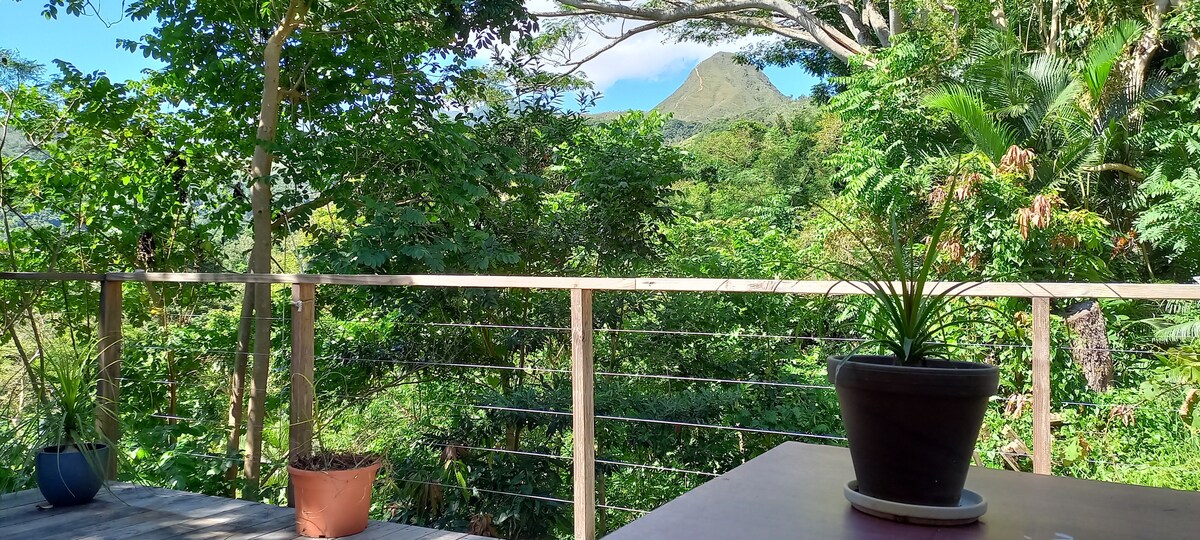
(332, 503)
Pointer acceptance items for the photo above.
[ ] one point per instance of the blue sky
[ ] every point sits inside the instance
(83, 41)
(635, 75)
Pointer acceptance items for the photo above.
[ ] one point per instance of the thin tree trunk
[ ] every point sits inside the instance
(12, 262)
(237, 385)
(160, 305)
(601, 499)
(895, 19)
(25, 362)
(1040, 13)
(260, 254)
(1052, 38)
(20, 403)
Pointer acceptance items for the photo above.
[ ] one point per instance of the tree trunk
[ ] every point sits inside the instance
(25, 362)
(999, 17)
(601, 499)
(237, 386)
(260, 254)
(1052, 38)
(20, 403)
(160, 307)
(895, 19)
(878, 24)
(854, 22)
(1090, 348)
(1144, 49)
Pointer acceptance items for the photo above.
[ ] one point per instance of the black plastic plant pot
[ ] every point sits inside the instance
(70, 477)
(912, 430)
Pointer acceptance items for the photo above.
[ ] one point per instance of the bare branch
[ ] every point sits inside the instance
(1117, 167)
(564, 13)
(823, 34)
(853, 21)
(617, 41)
(765, 24)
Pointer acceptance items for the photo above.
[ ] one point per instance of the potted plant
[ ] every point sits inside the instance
(71, 463)
(912, 414)
(333, 492)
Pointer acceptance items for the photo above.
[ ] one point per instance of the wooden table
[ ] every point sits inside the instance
(795, 492)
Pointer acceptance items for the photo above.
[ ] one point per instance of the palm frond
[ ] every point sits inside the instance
(1184, 332)
(968, 111)
(1055, 91)
(1103, 53)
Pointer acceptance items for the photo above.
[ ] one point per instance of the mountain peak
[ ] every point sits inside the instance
(721, 87)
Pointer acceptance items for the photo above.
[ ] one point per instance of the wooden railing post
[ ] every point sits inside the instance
(108, 385)
(1041, 386)
(583, 414)
(300, 425)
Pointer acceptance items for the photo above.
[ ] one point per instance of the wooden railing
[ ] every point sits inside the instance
(582, 372)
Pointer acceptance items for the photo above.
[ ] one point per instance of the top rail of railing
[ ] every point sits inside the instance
(1148, 291)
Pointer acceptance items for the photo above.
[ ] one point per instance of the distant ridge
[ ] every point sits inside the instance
(718, 92)
(720, 87)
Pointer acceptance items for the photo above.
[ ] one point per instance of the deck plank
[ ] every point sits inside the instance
(126, 511)
(445, 535)
(38, 523)
(20, 498)
(162, 515)
(404, 532)
(273, 525)
(152, 500)
(33, 496)
(378, 530)
(287, 533)
(35, 508)
(219, 525)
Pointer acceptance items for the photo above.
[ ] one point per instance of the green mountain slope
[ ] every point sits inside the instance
(717, 93)
(719, 87)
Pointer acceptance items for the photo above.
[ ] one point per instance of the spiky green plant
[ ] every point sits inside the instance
(66, 408)
(69, 375)
(908, 314)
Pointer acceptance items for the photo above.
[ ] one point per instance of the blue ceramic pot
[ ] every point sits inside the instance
(67, 478)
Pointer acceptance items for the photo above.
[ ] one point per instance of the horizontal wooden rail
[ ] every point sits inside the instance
(50, 276)
(1145, 291)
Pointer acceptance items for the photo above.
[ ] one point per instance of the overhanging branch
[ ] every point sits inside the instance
(743, 13)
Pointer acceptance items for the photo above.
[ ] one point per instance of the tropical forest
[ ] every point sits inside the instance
(1022, 141)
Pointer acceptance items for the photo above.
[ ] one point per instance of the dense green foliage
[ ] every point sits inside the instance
(396, 154)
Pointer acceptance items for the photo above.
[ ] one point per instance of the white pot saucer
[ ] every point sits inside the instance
(970, 507)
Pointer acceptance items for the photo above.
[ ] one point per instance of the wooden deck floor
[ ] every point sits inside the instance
(153, 513)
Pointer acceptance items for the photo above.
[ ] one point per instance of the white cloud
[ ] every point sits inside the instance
(648, 56)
